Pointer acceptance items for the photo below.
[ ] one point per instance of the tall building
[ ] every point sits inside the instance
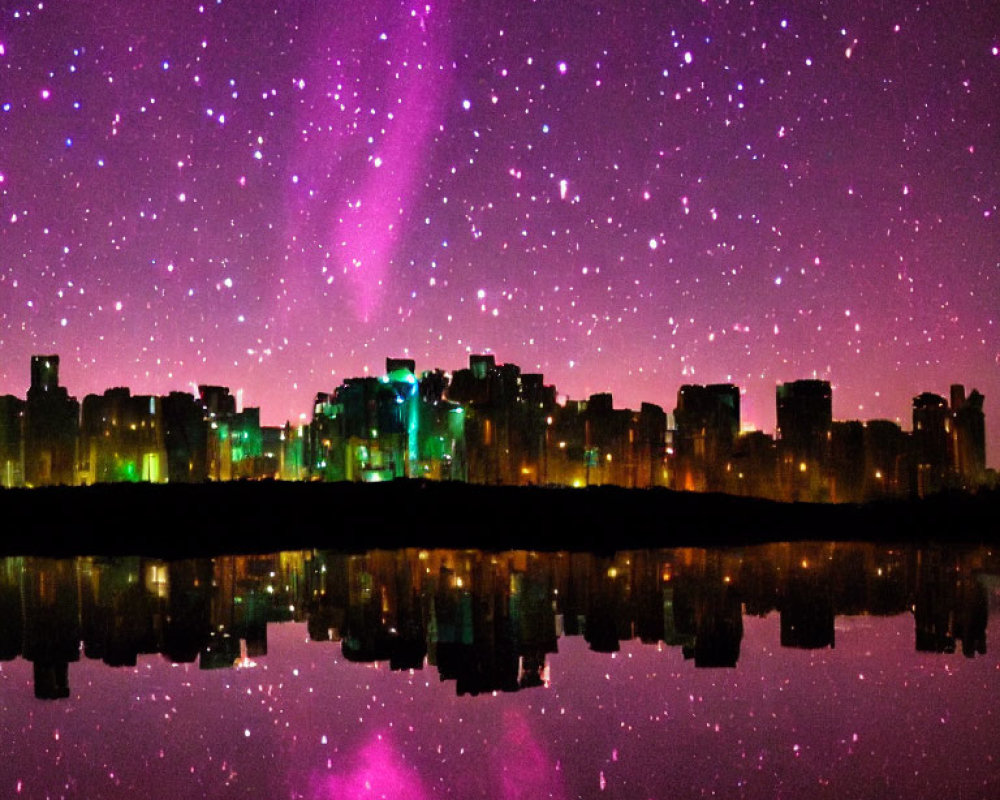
(185, 435)
(805, 415)
(969, 436)
(847, 462)
(708, 423)
(506, 424)
(11, 441)
(51, 427)
(932, 443)
(121, 438)
(886, 469)
(949, 441)
(218, 409)
(805, 421)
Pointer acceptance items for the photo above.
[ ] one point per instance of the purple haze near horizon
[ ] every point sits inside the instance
(275, 196)
(871, 716)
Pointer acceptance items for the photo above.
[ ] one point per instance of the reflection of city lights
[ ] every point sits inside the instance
(802, 466)
(878, 474)
(612, 572)
(244, 661)
(805, 564)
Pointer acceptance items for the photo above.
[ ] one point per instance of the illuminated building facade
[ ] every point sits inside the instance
(122, 438)
(11, 441)
(708, 424)
(507, 419)
(492, 424)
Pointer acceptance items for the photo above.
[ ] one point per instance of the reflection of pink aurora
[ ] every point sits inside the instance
(522, 770)
(378, 771)
(526, 770)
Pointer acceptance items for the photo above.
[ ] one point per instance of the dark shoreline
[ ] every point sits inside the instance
(177, 521)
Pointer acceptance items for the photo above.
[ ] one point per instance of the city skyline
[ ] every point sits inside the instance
(274, 197)
(494, 424)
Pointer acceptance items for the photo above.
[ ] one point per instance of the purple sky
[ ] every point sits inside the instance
(626, 197)
(871, 717)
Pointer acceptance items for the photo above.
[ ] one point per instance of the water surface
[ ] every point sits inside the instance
(806, 670)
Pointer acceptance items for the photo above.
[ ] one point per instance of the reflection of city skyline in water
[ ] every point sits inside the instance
(220, 703)
(487, 621)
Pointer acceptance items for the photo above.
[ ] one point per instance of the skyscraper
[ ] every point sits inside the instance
(52, 422)
(805, 420)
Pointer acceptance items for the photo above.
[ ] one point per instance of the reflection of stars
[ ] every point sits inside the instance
(277, 198)
(341, 729)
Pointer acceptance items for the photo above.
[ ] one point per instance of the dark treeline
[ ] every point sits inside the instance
(174, 521)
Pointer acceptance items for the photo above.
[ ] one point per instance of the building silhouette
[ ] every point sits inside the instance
(491, 423)
(969, 436)
(486, 621)
(805, 419)
(708, 424)
(51, 427)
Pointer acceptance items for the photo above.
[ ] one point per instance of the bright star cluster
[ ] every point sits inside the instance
(626, 197)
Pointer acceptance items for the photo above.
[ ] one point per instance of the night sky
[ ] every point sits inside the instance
(627, 197)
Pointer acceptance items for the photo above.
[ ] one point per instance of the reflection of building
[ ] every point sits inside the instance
(485, 621)
(52, 632)
(806, 605)
(187, 623)
(121, 611)
(11, 618)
